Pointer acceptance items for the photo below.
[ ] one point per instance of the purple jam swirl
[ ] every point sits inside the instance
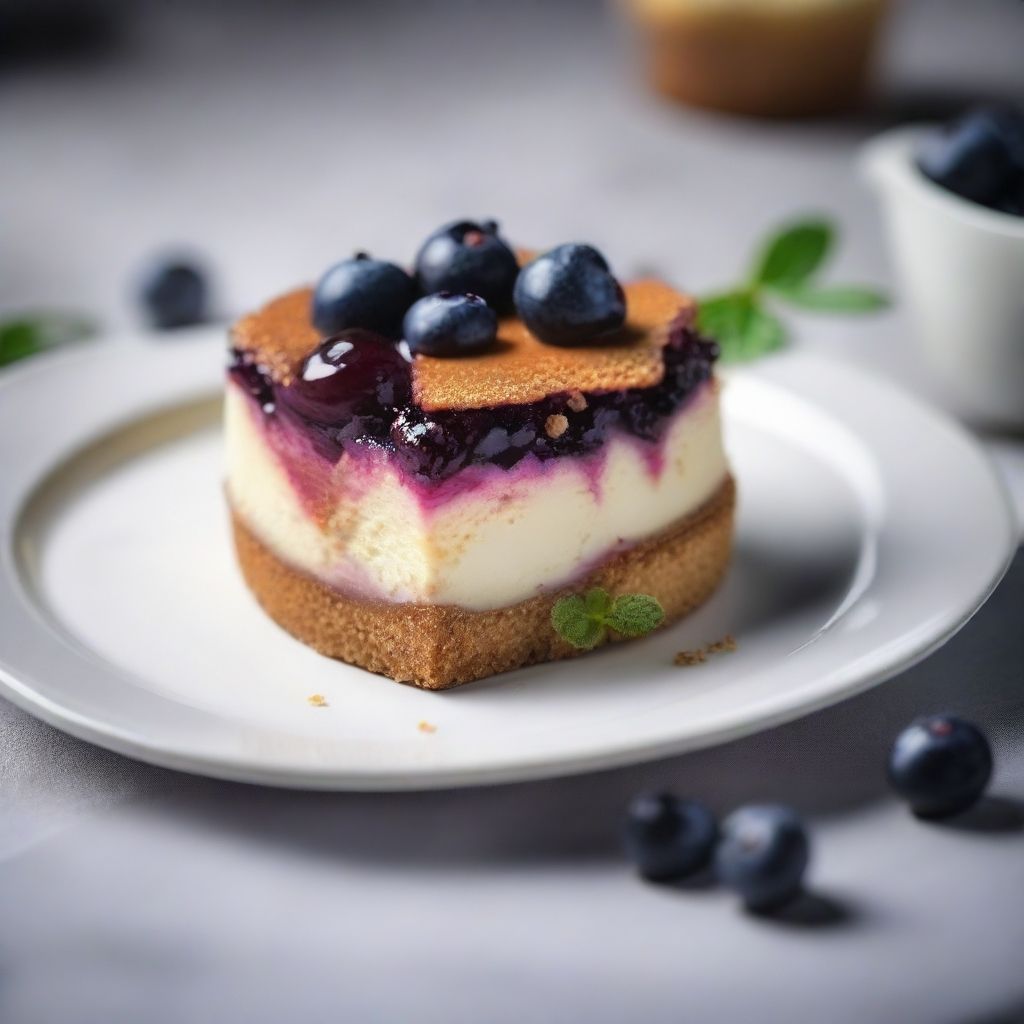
(355, 390)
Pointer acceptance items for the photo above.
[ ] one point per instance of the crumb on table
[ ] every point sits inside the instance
(701, 654)
(425, 726)
(317, 700)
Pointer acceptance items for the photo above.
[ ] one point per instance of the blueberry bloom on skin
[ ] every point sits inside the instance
(762, 855)
(940, 765)
(568, 296)
(363, 293)
(450, 325)
(668, 838)
(174, 293)
(468, 257)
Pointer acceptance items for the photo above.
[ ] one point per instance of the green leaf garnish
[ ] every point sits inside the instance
(597, 603)
(584, 620)
(790, 257)
(635, 614)
(741, 328)
(840, 299)
(574, 623)
(739, 320)
(26, 335)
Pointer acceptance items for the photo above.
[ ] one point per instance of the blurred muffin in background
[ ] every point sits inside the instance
(767, 58)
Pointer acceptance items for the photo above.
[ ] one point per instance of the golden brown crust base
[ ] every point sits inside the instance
(520, 369)
(436, 646)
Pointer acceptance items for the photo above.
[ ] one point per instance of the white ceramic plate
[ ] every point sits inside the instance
(870, 528)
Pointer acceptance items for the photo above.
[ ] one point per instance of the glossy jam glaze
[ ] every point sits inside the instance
(354, 396)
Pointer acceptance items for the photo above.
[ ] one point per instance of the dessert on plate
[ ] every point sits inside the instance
(419, 466)
(769, 58)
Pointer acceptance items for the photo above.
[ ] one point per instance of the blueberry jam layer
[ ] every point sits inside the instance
(355, 390)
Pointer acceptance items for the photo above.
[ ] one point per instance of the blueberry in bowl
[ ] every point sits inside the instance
(568, 296)
(468, 257)
(363, 292)
(762, 855)
(979, 157)
(174, 293)
(940, 765)
(949, 203)
(450, 325)
(668, 838)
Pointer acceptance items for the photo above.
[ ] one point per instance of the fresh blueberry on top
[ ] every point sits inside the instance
(668, 838)
(174, 293)
(980, 157)
(468, 257)
(940, 765)
(363, 292)
(762, 855)
(568, 296)
(450, 325)
(354, 378)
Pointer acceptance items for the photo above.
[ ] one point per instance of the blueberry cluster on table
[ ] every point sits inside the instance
(940, 765)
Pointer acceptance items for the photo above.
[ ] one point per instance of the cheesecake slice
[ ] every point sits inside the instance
(419, 516)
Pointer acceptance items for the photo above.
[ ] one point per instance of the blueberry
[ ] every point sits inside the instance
(1012, 201)
(363, 292)
(667, 837)
(174, 293)
(356, 379)
(468, 257)
(762, 855)
(940, 765)
(450, 325)
(980, 157)
(568, 296)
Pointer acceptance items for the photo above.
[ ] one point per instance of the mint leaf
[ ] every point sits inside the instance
(741, 328)
(18, 339)
(838, 299)
(27, 335)
(724, 318)
(763, 334)
(584, 621)
(572, 622)
(635, 614)
(739, 320)
(794, 254)
(598, 603)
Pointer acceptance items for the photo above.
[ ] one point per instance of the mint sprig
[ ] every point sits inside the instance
(584, 619)
(741, 319)
(25, 336)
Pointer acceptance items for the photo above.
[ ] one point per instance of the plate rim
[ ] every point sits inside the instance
(20, 688)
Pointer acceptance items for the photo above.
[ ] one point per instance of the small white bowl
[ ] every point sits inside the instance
(962, 273)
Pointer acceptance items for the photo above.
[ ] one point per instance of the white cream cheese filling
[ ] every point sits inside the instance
(522, 531)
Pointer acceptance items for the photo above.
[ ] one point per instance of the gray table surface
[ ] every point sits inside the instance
(276, 137)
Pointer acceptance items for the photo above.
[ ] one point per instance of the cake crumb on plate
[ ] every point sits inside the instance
(317, 700)
(425, 726)
(701, 654)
